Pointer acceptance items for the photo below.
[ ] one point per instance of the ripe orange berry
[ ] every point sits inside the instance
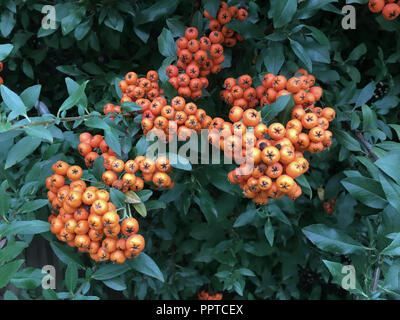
(109, 177)
(129, 226)
(135, 242)
(74, 172)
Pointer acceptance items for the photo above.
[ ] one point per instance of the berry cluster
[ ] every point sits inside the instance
(134, 88)
(208, 296)
(197, 58)
(389, 8)
(155, 171)
(225, 15)
(88, 220)
(180, 117)
(329, 206)
(241, 93)
(271, 157)
(90, 147)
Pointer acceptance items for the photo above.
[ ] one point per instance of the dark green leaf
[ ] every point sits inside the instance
(144, 264)
(8, 270)
(332, 240)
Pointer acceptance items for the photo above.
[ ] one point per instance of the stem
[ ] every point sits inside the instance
(366, 144)
(377, 274)
(362, 140)
(68, 119)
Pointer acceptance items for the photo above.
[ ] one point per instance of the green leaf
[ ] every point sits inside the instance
(366, 94)
(144, 264)
(211, 6)
(392, 191)
(269, 232)
(112, 138)
(246, 272)
(301, 54)
(246, 29)
(7, 23)
(179, 162)
(197, 20)
(319, 36)
(98, 167)
(366, 190)
(239, 286)
(110, 271)
(114, 21)
(27, 278)
(21, 150)
(140, 208)
(166, 43)
(274, 58)
(71, 277)
(96, 123)
(66, 254)
(13, 102)
(12, 250)
(393, 249)
(155, 204)
(357, 52)
(82, 30)
(33, 205)
(39, 132)
(396, 128)
(131, 107)
(72, 20)
(31, 95)
(346, 140)
(390, 165)
(283, 12)
(303, 182)
(117, 197)
(116, 284)
(73, 99)
(27, 69)
(369, 118)
(158, 10)
(8, 295)
(332, 240)
(5, 50)
(4, 202)
(335, 269)
(144, 195)
(49, 294)
(245, 218)
(72, 86)
(24, 227)
(8, 270)
(269, 112)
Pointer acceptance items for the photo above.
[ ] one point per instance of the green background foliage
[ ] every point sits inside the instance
(203, 234)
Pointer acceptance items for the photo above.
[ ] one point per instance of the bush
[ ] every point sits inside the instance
(203, 235)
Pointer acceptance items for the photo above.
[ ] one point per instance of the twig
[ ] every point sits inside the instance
(377, 275)
(366, 144)
(362, 140)
(68, 119)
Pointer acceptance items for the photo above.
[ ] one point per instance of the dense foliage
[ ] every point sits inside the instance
(203, 234)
